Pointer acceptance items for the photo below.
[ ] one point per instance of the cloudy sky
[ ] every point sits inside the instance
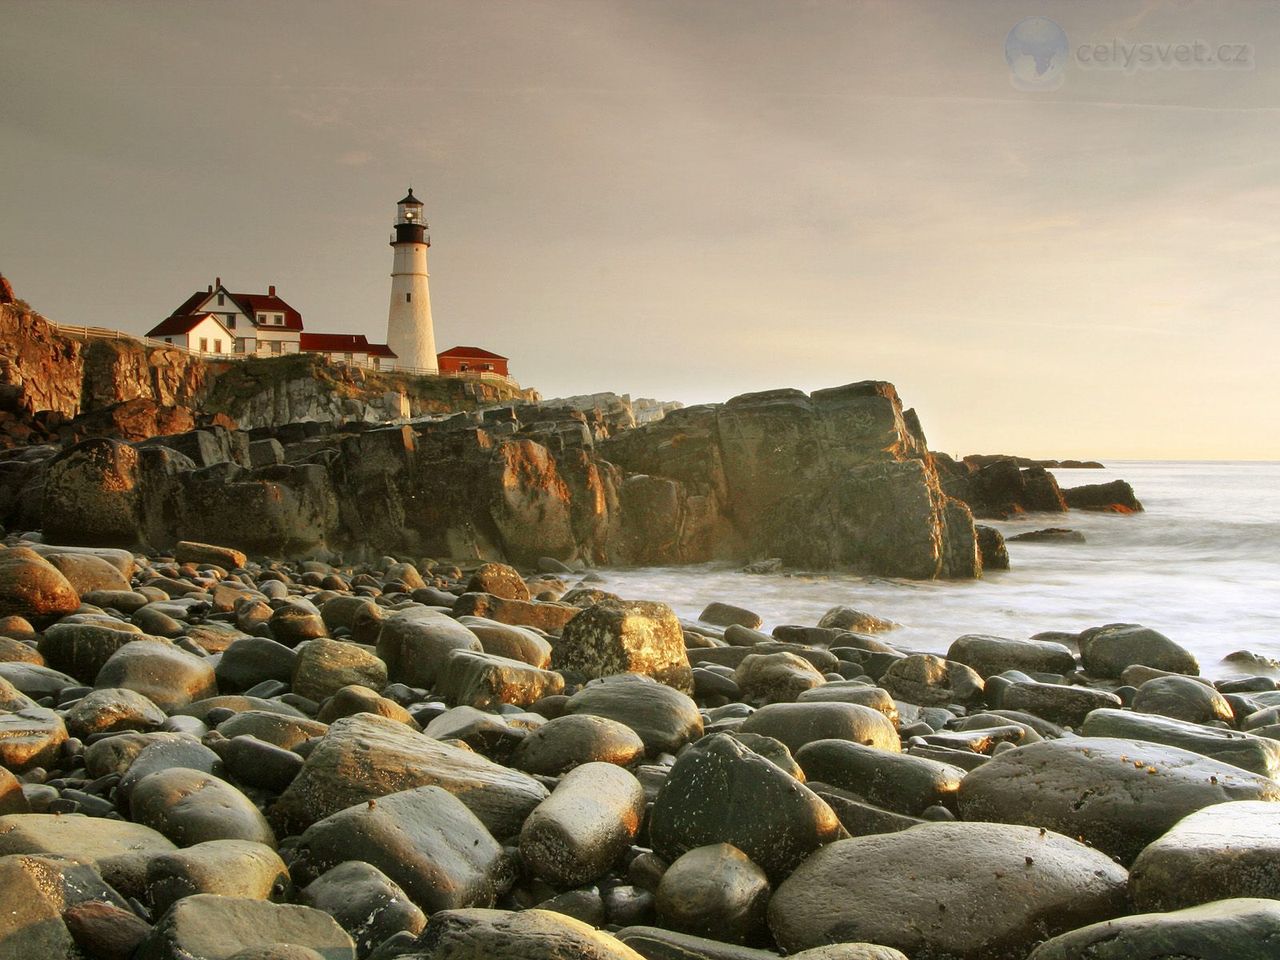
(690, 199)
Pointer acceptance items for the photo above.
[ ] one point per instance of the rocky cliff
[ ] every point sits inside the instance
(59, 385)
(841, 478)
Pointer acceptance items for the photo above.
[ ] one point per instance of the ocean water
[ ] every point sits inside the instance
(1201, 564)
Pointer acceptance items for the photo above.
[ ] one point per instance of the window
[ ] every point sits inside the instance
(222, 300)
(275, 346)
(486, 366)
(262, 318)
(231, 321)
(217, 346)
(204, 344)
(280, 318)
(408, 298)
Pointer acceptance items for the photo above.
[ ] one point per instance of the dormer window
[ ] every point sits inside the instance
(280, 318)
(262, 318)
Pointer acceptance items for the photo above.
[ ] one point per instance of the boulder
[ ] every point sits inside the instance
(896, 781)
(1107, 651)
(796, 724)
(83, 649)
(88, 573)
(229, 868)
(579, 832)
(364, 757)
(92, 494)
(499, 580)
(119, 851)
(485, 680)
(166, 675)
(208, 554)
(1056, 702)
(249, 661)
(367, 903)
(1256, 754)
(991, 655)
(719, 791)
(190, 807)
(104, 930)
(110, 710)
(1182, 698)
(324, 666)
(414, 644)
(548, 617)
(664, 718)
(505, 640)
(162, 752)
(30, 737)
(1221, 852)
(569, 741)
(1118, 795)
(517, 935)
(960, 891)
(854, 621)
(726, 614)
(775, 677)
(38, 890)
(930, 681)
(1228, 929)
(625, 637)
(1114, 497)
(715, 891)
(32, 587)
(210, 927)
(424, 839)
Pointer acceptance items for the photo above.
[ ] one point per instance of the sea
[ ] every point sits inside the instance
(1201, 564)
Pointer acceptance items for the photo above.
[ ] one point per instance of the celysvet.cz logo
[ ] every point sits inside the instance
(1038, 53)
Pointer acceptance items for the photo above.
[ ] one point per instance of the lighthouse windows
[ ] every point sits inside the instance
(408, 298)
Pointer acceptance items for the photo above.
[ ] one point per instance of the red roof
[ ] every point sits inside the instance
(255, 303)
(183, 323)
(342, 343)
(472, 352)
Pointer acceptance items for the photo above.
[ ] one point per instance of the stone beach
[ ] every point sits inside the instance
(208, 754)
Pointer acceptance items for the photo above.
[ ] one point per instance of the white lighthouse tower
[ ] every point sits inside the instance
(409, 332)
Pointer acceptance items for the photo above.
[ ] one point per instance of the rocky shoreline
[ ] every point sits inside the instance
(207, 755)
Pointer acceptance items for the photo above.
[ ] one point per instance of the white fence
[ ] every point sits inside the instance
(102, 333)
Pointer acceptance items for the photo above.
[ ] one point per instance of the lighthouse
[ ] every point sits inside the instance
(409, 332)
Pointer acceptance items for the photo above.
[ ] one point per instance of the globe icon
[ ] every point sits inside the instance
(1036, 50)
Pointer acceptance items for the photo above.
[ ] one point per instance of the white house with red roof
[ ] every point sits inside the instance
(215, 320)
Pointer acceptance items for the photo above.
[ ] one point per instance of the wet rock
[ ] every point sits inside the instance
(523, 935)
(719, 791)
(656, 943)
(498, 580)
(119, 851)
(33, 680)
(1239, 929)
(1056, 702)
(930, 681)
(37, 891)
(229, 868)
(775, 677)
(112, 709)
(365, 757)
(190, 807)
(849, 691)
(180, 751)
(1106, 651)
(726, 614)
(548, 617)
(87, 573)
(251, 660)
(936, 887)
(355, 699)
(1256, 754)
(12, 799)
(324, 666)
(255, 763)
(415, 643)
(566, 742)
(105, 931)
(896, 781)
(1182, 698)
(796, 724)
(625, 637)
(82, 649)
(1049, 535)
(275, 728)
(169, 677)
(367, 903)
(214, 927)
(1118, 795)
(664, 718)
(715, 891)
(296, 621)
(505, 640)
(991, 655)
(854, 621)
(580, 831)
(424, 839)
(228, 558)
(33, 588)
(30, 737)
(1114, 497)
(1220, 852)
(484, 680)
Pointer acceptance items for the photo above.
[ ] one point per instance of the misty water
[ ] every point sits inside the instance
(1201, 564)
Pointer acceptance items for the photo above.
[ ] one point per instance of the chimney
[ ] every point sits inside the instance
(217, 281)
(271, 290)
(210, 288)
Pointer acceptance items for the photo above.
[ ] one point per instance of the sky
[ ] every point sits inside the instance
(692, 199)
